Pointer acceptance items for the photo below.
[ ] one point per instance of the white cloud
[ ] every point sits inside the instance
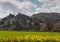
(15, 6)
(55, 9)
(39, 10)
(26, 7)
(49, 6)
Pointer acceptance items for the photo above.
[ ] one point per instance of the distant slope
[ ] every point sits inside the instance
(44, 16)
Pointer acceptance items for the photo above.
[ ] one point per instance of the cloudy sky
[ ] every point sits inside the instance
(28, 7)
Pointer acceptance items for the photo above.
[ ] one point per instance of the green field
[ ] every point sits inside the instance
(21, 36)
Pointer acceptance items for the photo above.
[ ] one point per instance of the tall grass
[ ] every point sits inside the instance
(19, 36)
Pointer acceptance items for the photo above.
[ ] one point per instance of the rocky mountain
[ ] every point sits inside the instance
(37, 22)
(18, 22)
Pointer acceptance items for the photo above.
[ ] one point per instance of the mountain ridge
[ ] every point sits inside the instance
(24, 22)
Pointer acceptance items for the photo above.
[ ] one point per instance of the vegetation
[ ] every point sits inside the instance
(22, 28)
(37, 22)
(24, 36)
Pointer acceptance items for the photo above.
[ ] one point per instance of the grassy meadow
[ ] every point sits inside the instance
(21, 36)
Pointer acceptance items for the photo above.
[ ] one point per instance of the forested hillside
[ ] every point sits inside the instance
(37, 22)
(50, 21)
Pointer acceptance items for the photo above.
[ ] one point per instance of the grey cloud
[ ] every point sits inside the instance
(7, 6)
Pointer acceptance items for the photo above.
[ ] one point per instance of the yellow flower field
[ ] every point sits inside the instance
(21, 36)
